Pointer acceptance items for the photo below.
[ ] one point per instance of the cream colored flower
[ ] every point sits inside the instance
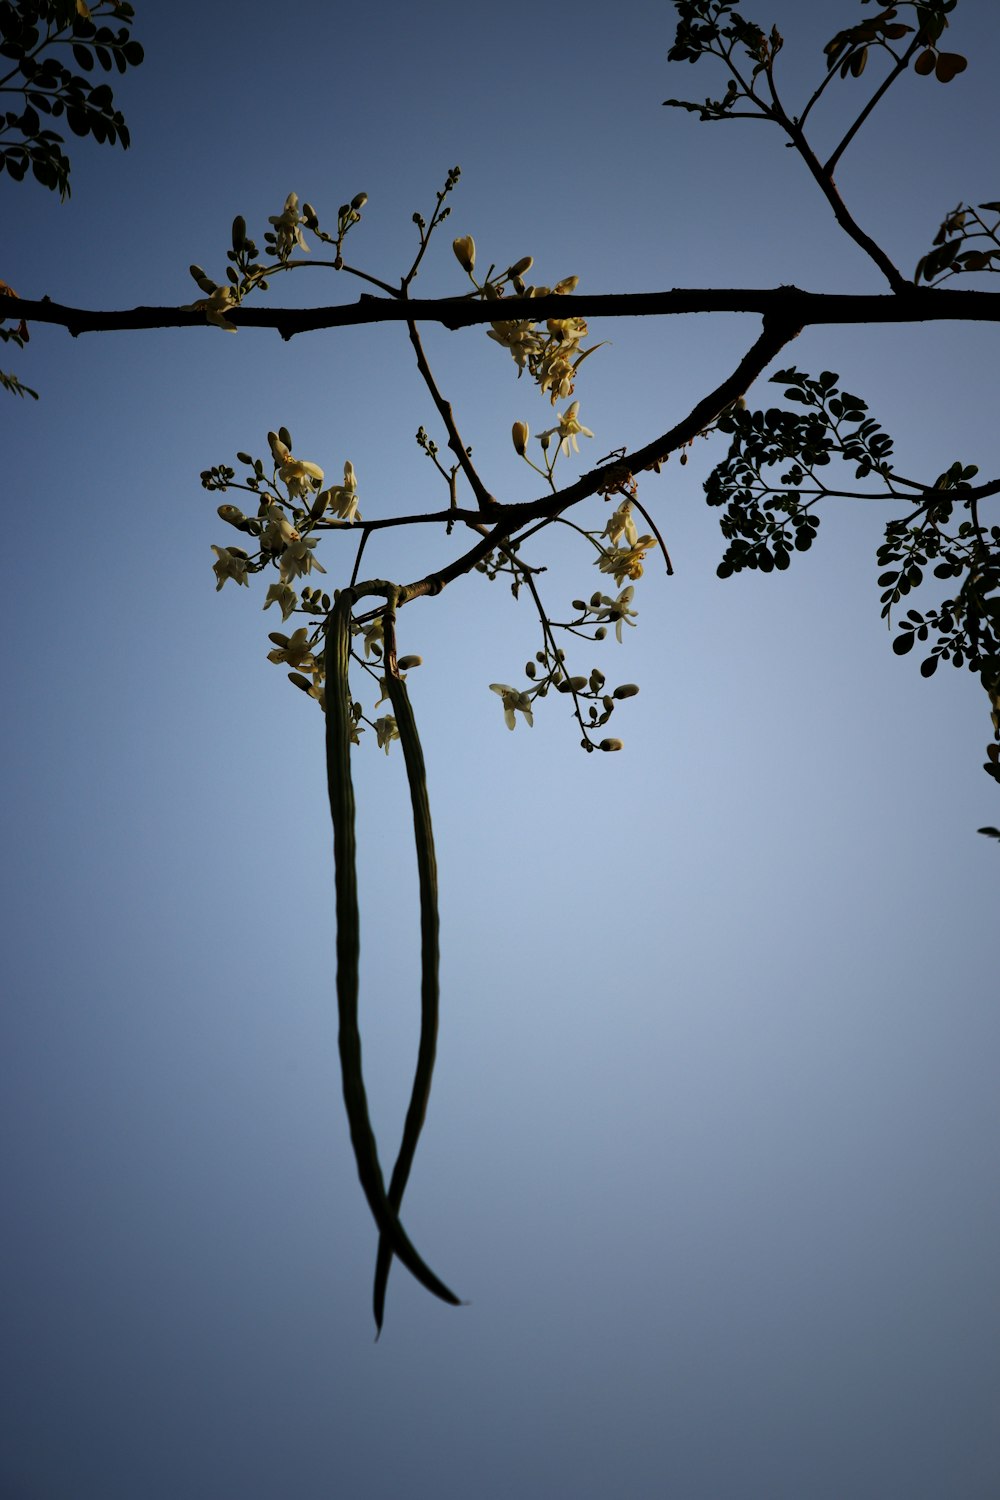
(626, 562)
(372, 633)
(295, 650)
(621, 524)
(287, 228)
(303, 479)
(297, 560)
(617, 610)
(279, 531)
(342, 499)
(522, 339)
(229, 563)
(385, 732)
(285, 597)
(569, 426)
(513, 701)
(215, 307)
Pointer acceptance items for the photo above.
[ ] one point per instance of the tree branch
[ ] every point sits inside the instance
(910, 305)
(482, 494)
(772, 340)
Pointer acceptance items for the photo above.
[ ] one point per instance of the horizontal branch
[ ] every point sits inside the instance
(788, 303)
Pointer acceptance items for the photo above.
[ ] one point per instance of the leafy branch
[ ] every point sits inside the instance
(49, 90)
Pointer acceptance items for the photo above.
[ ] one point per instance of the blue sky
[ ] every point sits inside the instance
(711, 1149)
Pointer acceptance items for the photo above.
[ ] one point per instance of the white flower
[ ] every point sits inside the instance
(385, 732)
(626, 562)
(342, 499)
(230, 564)
(279, 531)
(512, 701)
(621, 525)
(372, 633)
(302, 478)
(215, 307)
(294, 650)
(287, 230)
(297, 560)
(617, 610)
(285, 597)
(569, 426)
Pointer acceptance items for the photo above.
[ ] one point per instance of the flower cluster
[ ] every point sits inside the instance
(552, 357)
(626, 562)
(287, 234)
(291, 504)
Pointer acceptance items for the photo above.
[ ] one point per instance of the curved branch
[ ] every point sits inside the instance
(774, 337)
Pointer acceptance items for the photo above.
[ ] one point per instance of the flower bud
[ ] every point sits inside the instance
(407, 663)
(610, 745)
(205, 282)
(520, 266)
(300, 681)
(358, 202)
(465, 252)
(568, 284)
(231, 513)
(627, 690)
(519, 437)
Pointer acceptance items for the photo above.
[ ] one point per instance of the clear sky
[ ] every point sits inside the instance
(712, 1146)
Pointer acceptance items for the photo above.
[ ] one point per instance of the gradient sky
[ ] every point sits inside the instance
(712, 1145)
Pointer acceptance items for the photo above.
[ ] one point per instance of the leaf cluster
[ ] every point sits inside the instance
(50, 90)
(946, 537)
(962, 225)
(767, 518)
(716, 27)
(849, 49)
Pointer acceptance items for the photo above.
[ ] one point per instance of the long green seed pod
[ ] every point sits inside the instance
(341, 793)
(427, 873)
